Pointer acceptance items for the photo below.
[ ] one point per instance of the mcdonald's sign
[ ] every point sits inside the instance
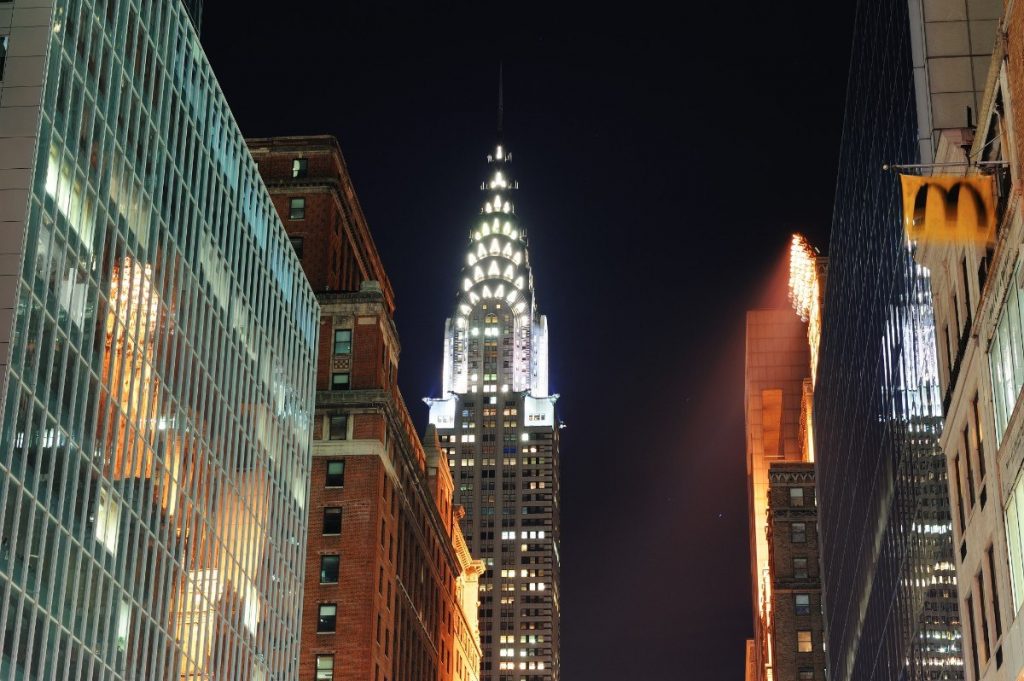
(949, 208)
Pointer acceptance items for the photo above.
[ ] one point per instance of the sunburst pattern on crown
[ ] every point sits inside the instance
(495, 312)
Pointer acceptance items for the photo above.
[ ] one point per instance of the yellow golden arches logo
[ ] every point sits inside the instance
(949, 208)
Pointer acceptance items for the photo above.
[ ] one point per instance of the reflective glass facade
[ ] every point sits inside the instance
(1006, 356)
(889, 588)
(158, 381)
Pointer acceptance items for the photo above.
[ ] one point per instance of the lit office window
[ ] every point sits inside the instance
(335, 473)
(124, 615)
(108, 518)
(342, 341)
(300, 167)
(1015, 540)
(325, 668)
(327, 620)
(803, 642)
(796, 496)
(1006, 357)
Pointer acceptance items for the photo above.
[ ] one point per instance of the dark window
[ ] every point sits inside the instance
(297, 209)
(339, 381)
(974, 634)
(979, 584)
(342, 341)
(995, 591)
(3, 54)
(327, 620)
(806, 674)
(329, 569)
(956, 316)
(798, 533)
(959, 493)
(339, 428)
(300, 167)
(967, 290)
(799, 568)
(796, 496)
(802, 604)
(978, 446)
(325, 668)
(335, 473)
(332, 521)
(970, 475)
(297, 245)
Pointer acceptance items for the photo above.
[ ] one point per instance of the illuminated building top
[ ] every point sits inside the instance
(805, 292)
(496, 304)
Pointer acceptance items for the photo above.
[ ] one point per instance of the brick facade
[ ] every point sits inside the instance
(337, 250)
(405, 594)
(795, 586)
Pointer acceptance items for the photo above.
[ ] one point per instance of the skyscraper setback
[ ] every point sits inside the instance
(497, 423)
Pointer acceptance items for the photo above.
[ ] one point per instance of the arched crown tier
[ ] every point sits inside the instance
(495, 340)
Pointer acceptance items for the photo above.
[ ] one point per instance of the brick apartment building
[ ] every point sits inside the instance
(797, 627)
(390, 587)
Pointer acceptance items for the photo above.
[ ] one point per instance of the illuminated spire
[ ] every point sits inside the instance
(501, 98)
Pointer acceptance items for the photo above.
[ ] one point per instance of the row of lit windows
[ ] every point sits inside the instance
(491, 424)
(534, 461)
(465, 437)
(538, 665)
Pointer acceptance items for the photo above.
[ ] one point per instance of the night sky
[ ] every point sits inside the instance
(663, 161)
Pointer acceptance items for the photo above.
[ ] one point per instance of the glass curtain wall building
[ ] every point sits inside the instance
(157, 349)
(889, 588)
